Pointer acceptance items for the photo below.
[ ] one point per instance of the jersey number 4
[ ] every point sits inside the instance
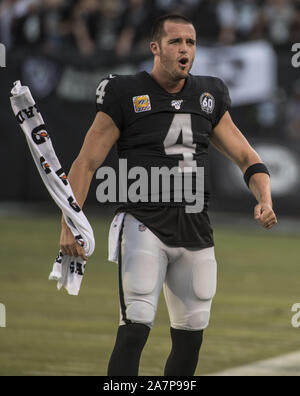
(182, 123)
(100, 91)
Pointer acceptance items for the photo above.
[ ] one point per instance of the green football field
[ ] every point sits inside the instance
(51, 333)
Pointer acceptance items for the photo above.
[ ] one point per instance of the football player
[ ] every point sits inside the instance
(166, 118)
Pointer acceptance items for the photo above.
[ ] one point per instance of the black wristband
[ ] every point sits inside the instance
(255, 168)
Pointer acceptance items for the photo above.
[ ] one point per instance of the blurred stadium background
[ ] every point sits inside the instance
(61, 49)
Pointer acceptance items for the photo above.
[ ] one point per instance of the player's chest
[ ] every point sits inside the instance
(140, 104)
(152, 117)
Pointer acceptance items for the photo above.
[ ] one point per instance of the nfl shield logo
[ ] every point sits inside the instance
(177, 104)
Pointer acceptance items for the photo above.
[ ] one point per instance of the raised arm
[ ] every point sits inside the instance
(99, 140)
(228, 139)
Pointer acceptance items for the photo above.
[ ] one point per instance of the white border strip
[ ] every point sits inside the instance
(286, 365)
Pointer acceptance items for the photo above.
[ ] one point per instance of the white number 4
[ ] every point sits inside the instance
(100, 91)
(182, 124)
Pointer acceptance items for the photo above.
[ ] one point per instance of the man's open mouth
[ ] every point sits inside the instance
(183, 61)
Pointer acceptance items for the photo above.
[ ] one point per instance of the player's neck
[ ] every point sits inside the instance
(166, 83)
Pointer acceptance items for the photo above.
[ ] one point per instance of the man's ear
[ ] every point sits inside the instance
(154, 46)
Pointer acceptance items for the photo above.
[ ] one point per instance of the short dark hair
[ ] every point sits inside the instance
(158, 27)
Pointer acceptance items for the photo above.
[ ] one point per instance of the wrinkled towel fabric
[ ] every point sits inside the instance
(67, 271)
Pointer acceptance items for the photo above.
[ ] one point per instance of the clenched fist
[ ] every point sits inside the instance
(265, 215)
(68, 244)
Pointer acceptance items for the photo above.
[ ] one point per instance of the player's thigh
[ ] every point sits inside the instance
(143, 269)
(189, 288)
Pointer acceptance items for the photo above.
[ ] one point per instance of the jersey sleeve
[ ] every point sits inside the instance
(224, 102)
(108, 101)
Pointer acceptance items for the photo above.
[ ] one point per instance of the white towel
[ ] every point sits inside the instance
(113, 238)
(68, 271)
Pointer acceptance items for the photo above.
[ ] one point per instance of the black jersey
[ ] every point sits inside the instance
(163, 130)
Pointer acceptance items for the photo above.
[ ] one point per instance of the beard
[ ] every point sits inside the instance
(172, 69)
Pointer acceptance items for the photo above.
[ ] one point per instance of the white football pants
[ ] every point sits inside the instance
(146, 265)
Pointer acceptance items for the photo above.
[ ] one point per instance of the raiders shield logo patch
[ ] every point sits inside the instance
(207, 102)
(141, 103)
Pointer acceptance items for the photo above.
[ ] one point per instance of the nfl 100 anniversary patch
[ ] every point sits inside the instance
(207, 102)
(141, 103)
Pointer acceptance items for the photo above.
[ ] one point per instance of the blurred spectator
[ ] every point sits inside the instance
(85, 19)
(137, 21)
(166, 6)
(7, 14)
(31, 22)
(186, 7)
(50, 14)
(275, 21)
(13, 16)
(293, 113)
(247, 15)
(295, 28)
(110, 24)
(215, 21)
(123, 27)
(206, 21)
(227, 17)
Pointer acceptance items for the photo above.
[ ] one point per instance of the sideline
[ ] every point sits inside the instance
(285, 365)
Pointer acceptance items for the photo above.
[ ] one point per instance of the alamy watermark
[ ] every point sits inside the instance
(175, 185)
(2, 55)
(296, 318)
(296, 56)
(2, 315)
